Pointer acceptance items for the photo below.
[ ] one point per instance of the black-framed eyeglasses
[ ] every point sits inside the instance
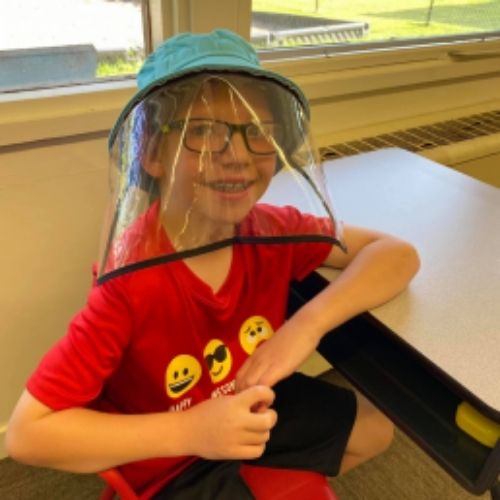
(213, 136)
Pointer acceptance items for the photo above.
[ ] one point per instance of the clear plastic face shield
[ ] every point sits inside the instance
(207, 161)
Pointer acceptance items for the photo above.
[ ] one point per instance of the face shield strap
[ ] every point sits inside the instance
(236, 240)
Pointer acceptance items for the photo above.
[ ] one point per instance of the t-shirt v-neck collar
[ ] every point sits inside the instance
(196, 284)
(203, 289)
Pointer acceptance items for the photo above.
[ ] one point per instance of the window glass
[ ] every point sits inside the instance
(53, 42)
(277, 23)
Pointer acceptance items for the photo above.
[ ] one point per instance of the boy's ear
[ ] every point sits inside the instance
(153, 166)
(151, 161)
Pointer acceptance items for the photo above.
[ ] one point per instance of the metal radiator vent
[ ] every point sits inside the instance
(421, 138)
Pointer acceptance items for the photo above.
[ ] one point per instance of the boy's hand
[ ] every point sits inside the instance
(231, 427)
(276, 359)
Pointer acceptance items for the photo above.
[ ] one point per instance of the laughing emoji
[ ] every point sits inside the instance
(183, 372)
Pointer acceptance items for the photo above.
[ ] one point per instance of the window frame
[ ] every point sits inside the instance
(324, 73)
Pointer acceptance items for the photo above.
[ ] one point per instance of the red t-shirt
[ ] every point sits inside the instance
(159, 339)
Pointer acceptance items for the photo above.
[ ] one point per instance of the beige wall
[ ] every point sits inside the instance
(51, 206)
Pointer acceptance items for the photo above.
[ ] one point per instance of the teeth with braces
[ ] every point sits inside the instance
(229, 186)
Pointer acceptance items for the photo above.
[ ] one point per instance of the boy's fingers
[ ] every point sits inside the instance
(248, 452)
(249, 376)
(241, 378)
(262, 422)
(258, 395)
(258, 438)
(259, 407)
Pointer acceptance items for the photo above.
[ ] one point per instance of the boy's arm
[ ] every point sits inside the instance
(376, 268)
(84, 440)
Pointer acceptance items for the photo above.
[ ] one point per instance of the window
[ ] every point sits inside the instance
(292, 23)
(54, 42)
(348, 83)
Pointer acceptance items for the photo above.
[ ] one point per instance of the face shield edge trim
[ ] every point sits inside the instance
(166, 203)
(237, 240)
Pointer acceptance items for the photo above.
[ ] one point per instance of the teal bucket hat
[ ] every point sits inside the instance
(188, 53)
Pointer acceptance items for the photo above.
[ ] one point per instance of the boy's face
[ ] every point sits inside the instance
(190, 161)
(212, 167)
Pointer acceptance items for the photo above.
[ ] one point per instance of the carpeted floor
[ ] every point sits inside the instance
(404, 472)
(20, 482)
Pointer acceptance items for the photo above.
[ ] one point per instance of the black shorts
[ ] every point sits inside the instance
(315, 420)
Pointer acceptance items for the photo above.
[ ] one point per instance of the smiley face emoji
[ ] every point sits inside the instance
(182, 374)
(253, 332)
(218, 359)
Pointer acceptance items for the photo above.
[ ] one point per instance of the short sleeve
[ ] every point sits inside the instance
(308, 238)
(75, 369)
(309, 255)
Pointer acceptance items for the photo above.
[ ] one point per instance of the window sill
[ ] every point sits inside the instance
(37, 115)
(86, 109)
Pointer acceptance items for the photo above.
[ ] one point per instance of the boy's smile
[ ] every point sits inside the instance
(215, 181)
(229, 189)
(228, 186)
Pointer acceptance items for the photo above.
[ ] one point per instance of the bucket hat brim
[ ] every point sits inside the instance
(221, 64)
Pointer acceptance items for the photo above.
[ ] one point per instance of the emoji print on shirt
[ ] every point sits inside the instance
(254, 331)
(219, 360)
(183, 372)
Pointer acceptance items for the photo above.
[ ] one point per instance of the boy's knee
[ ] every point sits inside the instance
(373, 431)
(372, 434)
(384, 432)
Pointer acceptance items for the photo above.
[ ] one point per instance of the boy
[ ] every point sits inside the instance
(182, 364)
